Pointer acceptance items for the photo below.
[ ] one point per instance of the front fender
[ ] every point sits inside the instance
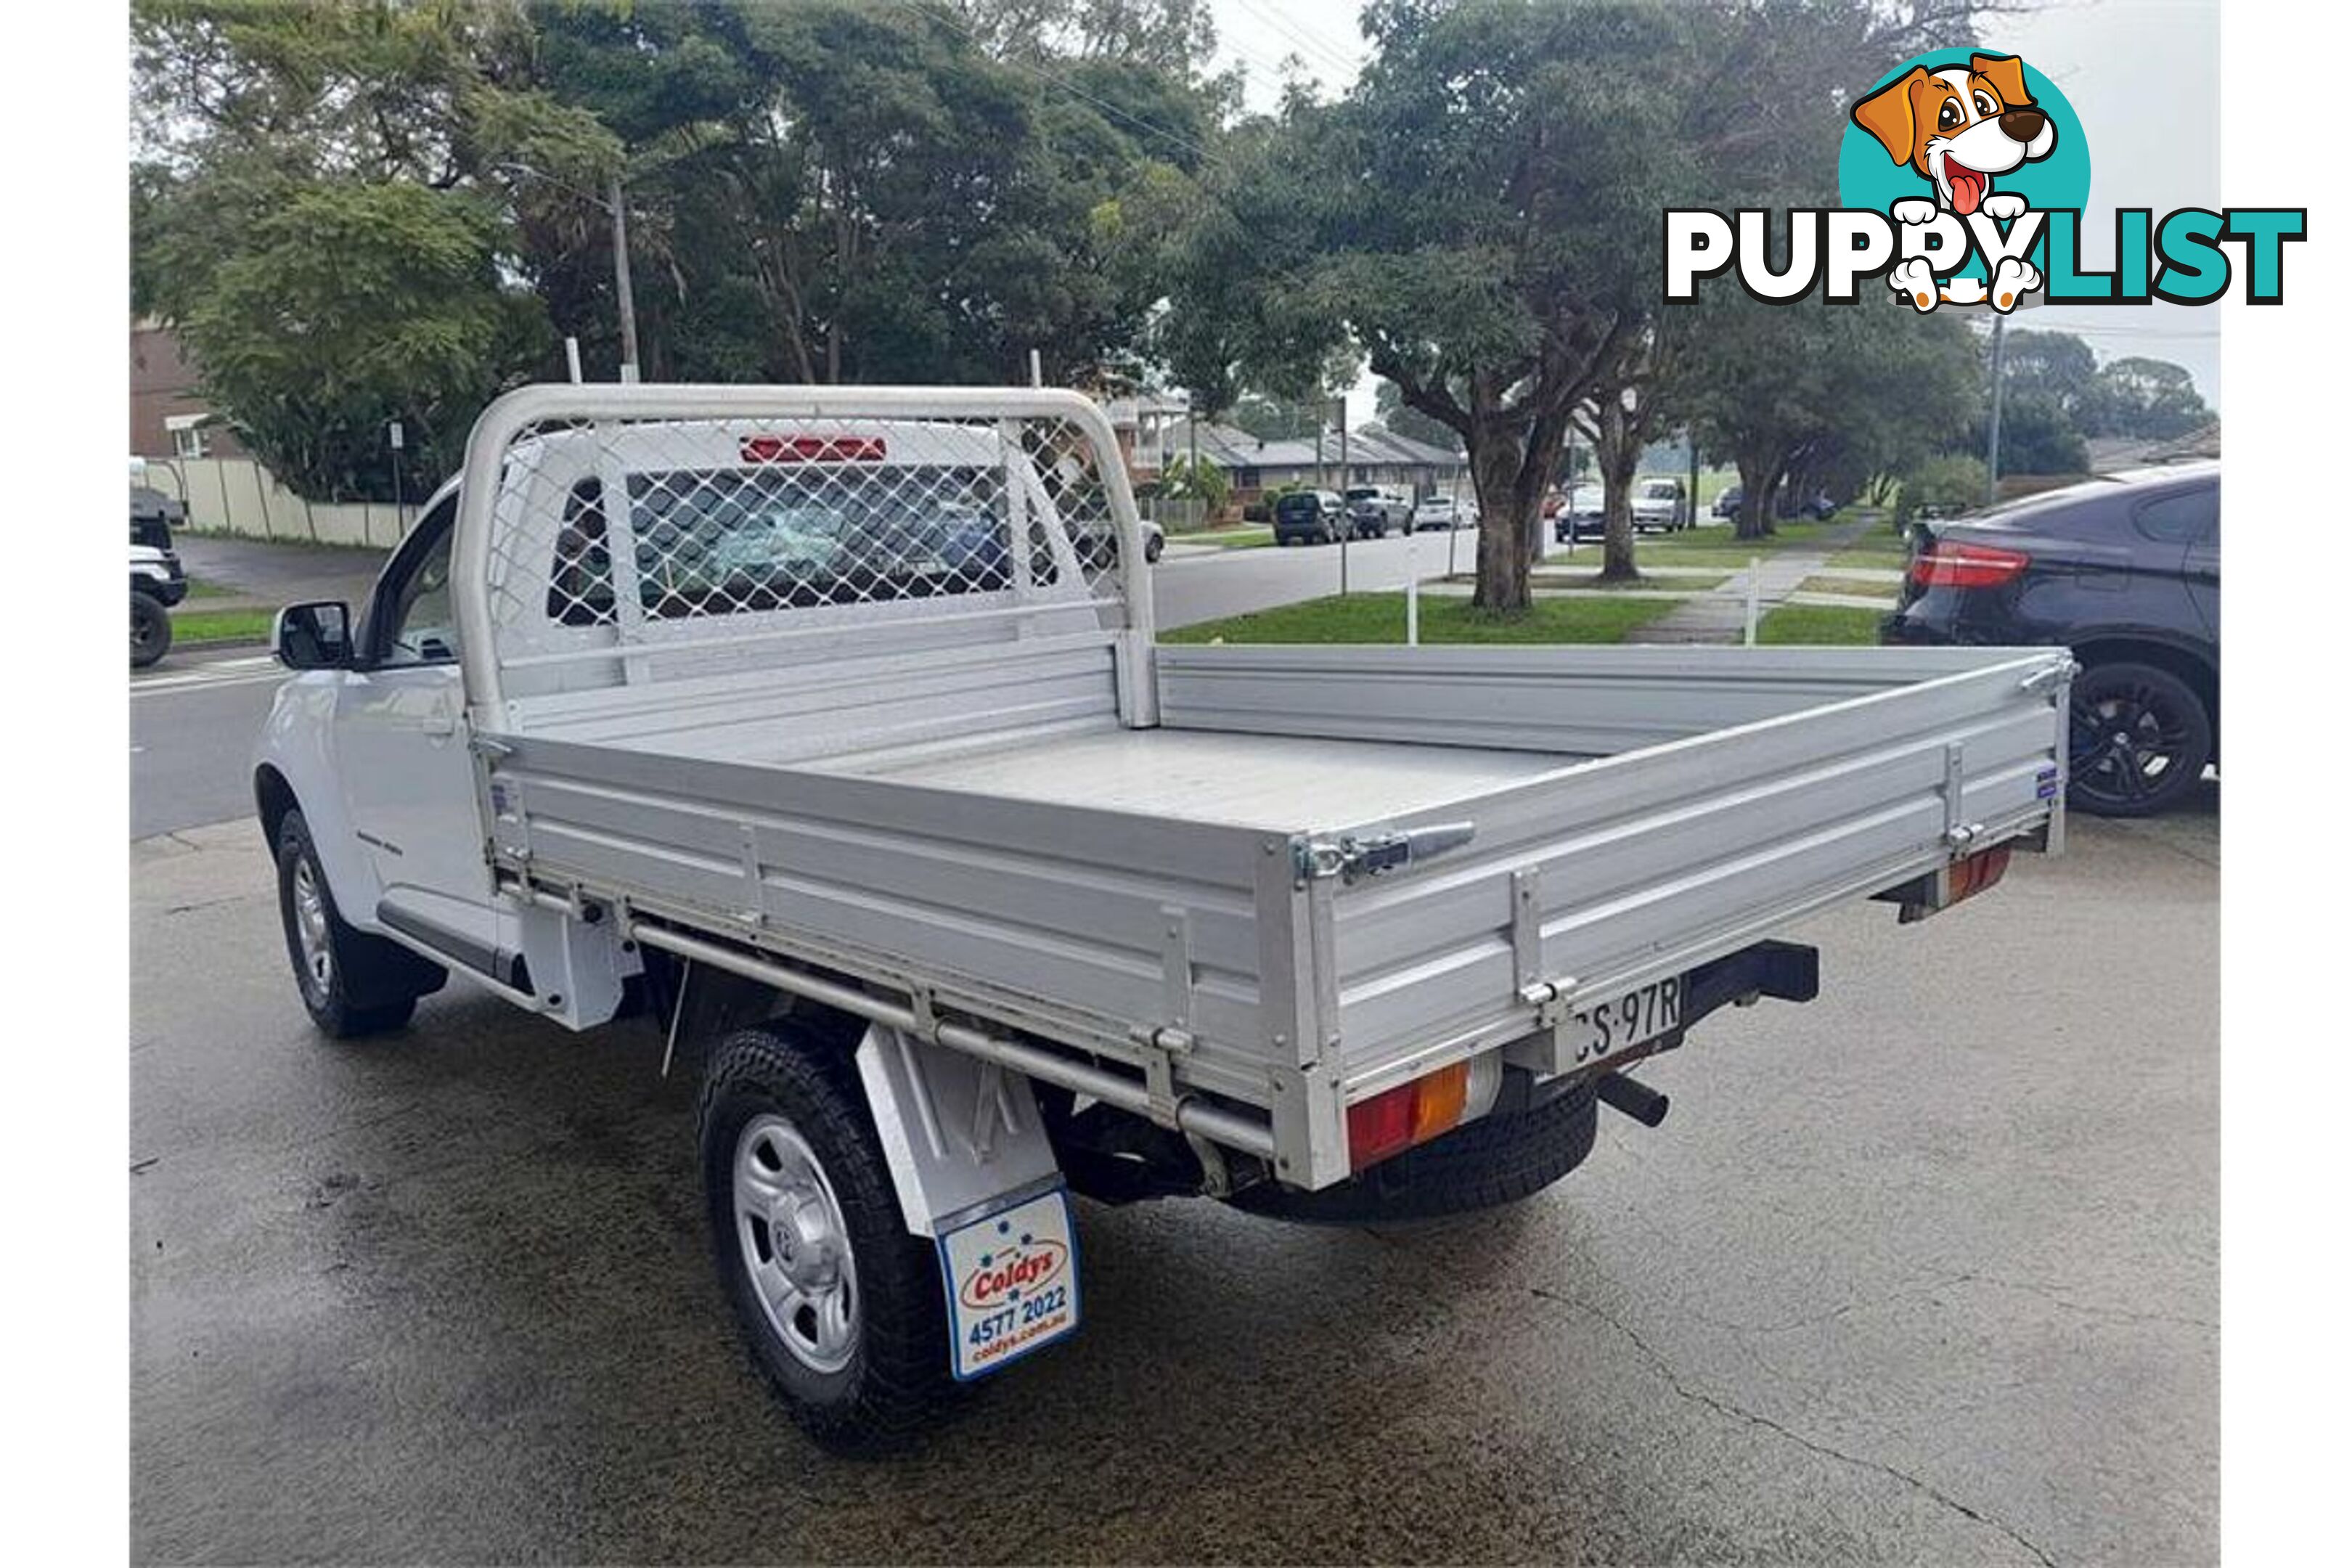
(298, 741)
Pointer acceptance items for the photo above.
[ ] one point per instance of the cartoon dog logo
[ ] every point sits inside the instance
(1958, 129)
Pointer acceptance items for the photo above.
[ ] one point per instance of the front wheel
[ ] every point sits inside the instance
(352, 984)
(151, 629)
(2138, 739)
(1151, 549)
(840, 1307)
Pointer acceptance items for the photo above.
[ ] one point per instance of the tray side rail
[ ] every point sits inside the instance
(1596, 878)
(1162, 948)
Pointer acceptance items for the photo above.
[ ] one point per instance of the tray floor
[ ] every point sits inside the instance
(1280, 782)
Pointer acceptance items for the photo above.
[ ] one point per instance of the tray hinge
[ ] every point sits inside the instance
(1958, 834)
(2051, 677)
(1162, 1047)
(1351, 858)
(1549, 997)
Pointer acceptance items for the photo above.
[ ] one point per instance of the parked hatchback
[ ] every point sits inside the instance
(2127, 570)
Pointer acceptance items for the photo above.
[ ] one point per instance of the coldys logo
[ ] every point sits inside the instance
(1962, 180)
(1013, 1268)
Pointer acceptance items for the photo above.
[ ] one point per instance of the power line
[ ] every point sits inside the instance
(1199, 151)
(1301, 36)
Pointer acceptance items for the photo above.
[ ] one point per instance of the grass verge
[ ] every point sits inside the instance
(1850, 587)
(1818, 624)
(1227, 538)
(1379, 618)
(221, 626)
(200, 589)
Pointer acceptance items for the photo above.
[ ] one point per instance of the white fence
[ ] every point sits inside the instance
(237, 495)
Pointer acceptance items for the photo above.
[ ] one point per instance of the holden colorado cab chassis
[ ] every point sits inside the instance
(827, 725)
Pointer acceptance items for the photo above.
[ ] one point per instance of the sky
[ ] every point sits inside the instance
(2144, 75)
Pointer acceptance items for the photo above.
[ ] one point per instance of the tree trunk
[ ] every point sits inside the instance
(1619, 452)
(1760, 476)
(1496, 457)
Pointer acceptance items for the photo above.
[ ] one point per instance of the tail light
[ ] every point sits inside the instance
(1397, 1118)
(813, 449)
(1963, 878)
(1948, 564)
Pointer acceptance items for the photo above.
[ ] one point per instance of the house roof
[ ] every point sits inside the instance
(1230, 446)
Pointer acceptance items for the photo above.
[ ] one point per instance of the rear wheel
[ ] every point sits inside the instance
(1498, 1159)
(839, 1305)
(2139, 740)
(151, 629)
(352, 984)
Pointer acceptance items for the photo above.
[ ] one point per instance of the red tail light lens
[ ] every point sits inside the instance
(813, 449)
(1395, 1120)
(1948, 564)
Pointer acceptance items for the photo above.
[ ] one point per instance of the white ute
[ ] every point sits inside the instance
(827, 727)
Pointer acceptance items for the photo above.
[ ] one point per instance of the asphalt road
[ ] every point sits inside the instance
(193, 716)
(1924, 1272)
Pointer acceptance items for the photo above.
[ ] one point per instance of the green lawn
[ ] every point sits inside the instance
(1228, 538)
(1678, 581)
(1852, 587)
(1818, 625)
(221, 626)
(1710, 546)
(200, 589)
(1445, 618)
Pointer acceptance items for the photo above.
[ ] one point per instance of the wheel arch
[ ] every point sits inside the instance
(273, 797)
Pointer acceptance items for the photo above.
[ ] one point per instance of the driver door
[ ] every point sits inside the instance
(408, 775)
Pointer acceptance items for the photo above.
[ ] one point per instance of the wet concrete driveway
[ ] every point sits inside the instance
(1923, 1272)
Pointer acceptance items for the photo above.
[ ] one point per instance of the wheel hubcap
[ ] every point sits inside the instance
(2129, 743)
(310, 930)
(794, 1245)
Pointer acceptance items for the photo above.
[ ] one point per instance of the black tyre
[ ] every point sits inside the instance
(352, 984)
(1152, 547)
(840, 1307)
(1497, 1159)
(2139, 740)
(151, 629)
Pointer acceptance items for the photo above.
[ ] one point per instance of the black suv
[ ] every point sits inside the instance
(2127, 570)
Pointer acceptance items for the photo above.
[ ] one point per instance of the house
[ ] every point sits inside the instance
(1258, 467)
(169, 417)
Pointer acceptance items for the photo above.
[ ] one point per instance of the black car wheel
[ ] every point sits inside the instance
(2139, 739)
(151, 629)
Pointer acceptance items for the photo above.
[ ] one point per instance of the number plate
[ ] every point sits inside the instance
(1011, 1281)
(1614, 1026)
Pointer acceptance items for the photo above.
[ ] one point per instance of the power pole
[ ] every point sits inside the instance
(1993, 428)
(627, 295)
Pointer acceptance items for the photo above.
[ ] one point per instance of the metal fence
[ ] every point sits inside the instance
(239, 496)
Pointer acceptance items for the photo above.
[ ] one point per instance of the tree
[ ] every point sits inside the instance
(1279, 419)
(1411, 423)
(1797, 393)
(1189, 478)
(2058, 365)
(347, 306)
(1479, 214)
(2146, 399)
(2036, 435)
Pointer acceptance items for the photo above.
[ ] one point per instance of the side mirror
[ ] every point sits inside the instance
(316, 635)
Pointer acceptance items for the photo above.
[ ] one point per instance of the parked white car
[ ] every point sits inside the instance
(1659, 506)
(1443, 512)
